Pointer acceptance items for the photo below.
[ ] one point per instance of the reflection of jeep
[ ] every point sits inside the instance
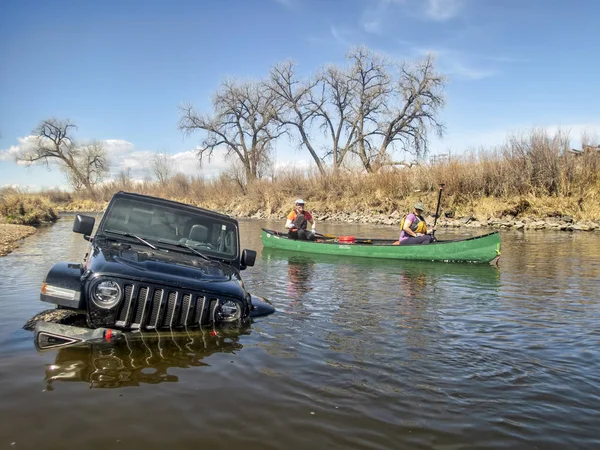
(140, 358)
(153, 264)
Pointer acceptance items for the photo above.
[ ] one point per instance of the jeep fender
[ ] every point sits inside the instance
(62, 286)
(260, 306)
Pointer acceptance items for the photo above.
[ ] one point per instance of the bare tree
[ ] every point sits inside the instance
(365, 108)
(322, 102)
(337, 91)
(162, 166)
(84, 166)
(92, 166)
(243, 124)
(299, 104)
(411, 111)
(123, 179)
(370, 88)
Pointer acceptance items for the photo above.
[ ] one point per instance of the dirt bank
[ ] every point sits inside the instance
(11, 236)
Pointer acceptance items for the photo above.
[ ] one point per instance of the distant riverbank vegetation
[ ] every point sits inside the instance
(535, 175)
(365, 126)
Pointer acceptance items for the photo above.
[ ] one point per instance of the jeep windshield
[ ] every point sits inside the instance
(185, 229)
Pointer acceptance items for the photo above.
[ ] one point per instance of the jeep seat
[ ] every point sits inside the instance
(199, 233)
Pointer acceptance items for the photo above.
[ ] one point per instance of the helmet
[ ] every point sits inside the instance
(420, 206)
(299, 202)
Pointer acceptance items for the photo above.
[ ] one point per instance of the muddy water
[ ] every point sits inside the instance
(361, 354)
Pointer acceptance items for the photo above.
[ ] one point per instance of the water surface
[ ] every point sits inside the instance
(361, 354)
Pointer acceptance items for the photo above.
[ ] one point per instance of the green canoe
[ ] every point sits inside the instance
(478, 249)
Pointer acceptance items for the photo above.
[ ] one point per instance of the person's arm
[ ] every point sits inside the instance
(288, 223)
(313, 224)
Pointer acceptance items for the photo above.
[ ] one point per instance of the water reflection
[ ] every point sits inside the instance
(413, 274)
(386, 300)
(300, 271)
(140, 358)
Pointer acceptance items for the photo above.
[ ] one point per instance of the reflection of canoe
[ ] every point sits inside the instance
(479, 249)
(480, 274)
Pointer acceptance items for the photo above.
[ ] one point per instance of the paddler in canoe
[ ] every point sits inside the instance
(414, 228)
(297, 223)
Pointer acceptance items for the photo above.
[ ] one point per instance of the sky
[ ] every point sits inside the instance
(121, 69)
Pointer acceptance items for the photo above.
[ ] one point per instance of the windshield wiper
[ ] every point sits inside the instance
(182, 244)
(125, 233)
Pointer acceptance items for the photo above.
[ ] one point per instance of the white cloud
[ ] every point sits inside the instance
(300, 164)
(139, 163)
(461, 70)
(432, 10)
(338, 35)
(373, 26)
(117, 146)
(188, 163)
(442, 10)
(10, 153)
(13, 151)
(457, 64)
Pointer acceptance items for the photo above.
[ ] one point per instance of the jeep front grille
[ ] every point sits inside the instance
(151, 308)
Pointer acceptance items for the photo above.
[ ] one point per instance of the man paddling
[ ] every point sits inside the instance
(297, 222)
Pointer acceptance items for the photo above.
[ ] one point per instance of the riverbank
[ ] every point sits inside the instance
(11, 236)
(556, 223)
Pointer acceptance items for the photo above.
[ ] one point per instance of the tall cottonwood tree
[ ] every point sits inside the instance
(410, 111)
(92, 166)
(83, 165)
(321, 104)
(243, 123)
(300, 104)
(372, 107)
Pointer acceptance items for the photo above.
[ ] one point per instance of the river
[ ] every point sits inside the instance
(361, 354)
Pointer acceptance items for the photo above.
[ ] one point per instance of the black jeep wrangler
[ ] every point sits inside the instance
(152, 264)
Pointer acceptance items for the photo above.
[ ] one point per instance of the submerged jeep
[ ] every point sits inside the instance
(152, 264)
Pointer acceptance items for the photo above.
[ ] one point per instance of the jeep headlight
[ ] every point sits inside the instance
(229, 311)
(106, 294)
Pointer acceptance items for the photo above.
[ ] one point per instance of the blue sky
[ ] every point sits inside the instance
(120, 69)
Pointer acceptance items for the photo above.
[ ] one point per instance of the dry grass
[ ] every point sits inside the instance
(529, 176)
(25, 209)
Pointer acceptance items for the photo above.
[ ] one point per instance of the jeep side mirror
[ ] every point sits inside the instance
(248, 258)
(84, 225)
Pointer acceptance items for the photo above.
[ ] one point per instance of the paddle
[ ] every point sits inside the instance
(437, 209)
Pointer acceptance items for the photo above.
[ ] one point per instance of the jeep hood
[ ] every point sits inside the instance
(169, 268)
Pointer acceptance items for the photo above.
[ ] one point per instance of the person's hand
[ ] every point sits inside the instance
(418, 234)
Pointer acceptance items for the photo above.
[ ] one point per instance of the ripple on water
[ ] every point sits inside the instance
(360, 354)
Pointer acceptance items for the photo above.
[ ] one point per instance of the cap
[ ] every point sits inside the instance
(299, 202)
(420, 206)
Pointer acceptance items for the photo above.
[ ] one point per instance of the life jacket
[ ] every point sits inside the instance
(416, 226)
(300, 222)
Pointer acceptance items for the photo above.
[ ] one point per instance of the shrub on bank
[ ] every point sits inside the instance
(25, 209)
(530, 175)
